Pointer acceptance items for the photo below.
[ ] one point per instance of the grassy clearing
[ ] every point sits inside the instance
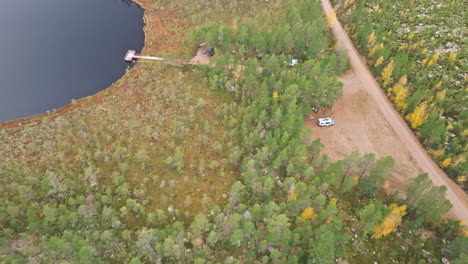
(162, 140)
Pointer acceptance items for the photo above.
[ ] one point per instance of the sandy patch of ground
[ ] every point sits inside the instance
(360, 126)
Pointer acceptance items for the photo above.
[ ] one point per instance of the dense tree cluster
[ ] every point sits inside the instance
(289, 203)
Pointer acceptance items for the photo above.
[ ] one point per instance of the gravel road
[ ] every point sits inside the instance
(366, 121)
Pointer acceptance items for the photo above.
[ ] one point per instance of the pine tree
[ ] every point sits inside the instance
(433, 130)
(348, 184)
(200, 225)
(87, 254)
(416, 188)
(278, 232)
(370, 216)
(236, 194)
(237, 238)
(349, 163)
(145, 244)
(432, 205)
(366, 162)
(370, 184)
(428, 201)
(323, 246)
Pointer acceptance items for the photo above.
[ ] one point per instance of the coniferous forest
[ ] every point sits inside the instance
(211, 163)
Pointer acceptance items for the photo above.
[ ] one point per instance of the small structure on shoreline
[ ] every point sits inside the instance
(132, 55)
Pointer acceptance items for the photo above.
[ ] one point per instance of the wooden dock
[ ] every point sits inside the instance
(132, 55)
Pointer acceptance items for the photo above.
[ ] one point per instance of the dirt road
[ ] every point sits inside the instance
(366, 121)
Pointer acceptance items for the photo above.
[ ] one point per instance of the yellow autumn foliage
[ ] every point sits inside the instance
(449, 126)
(446, 162)
(424, 51)
(333, 201)
(331, 18)
(348, 2)
(452, 58)
(386, 186)
(403, 47)
(236, 75)
(371, 39)
(276, 96)
(413, 47)
(308, 213)
(377, 8)
(292, 195)
(441, 95)
(459, 160)
(465, 133)
(424, 62)
(399, 94)
(375, 49)
(433, 60)
(419, 116)
(379, 61)
(461, 179)
(391, 222)
(411, 36)
(436, 153)
(464, 231)
(387, 73)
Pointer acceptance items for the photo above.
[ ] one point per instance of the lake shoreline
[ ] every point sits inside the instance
(93, 98)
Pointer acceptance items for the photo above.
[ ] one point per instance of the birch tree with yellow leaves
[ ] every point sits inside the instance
(387, 73)
(419, 116)
(390, 222)
(308, 213)
(399, 94)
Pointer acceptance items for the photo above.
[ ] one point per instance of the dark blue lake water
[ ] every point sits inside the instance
(52, 51)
